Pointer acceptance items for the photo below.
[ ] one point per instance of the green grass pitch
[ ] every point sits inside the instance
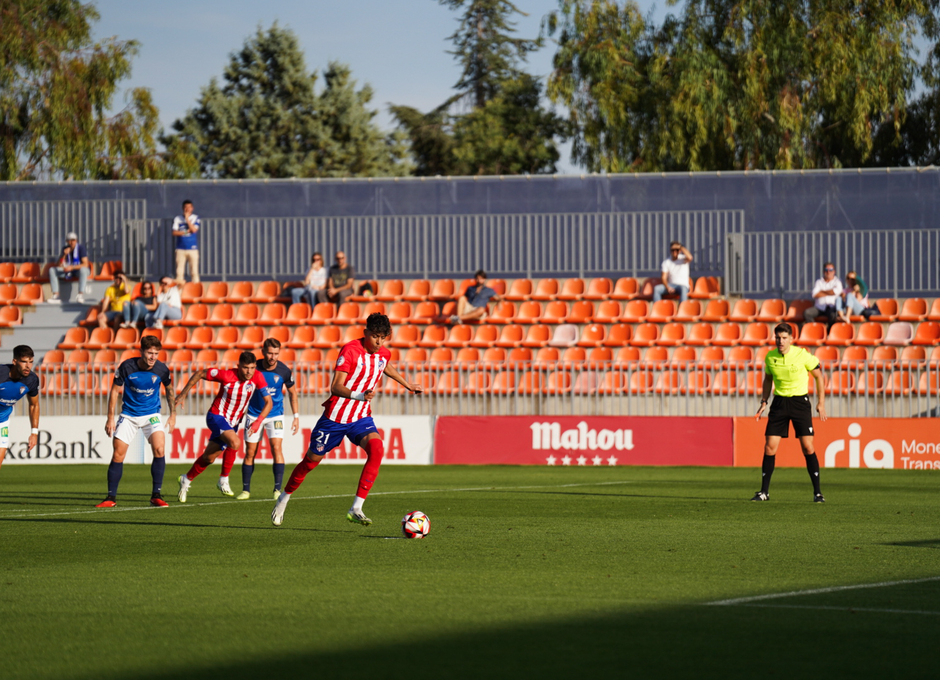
(527, 572)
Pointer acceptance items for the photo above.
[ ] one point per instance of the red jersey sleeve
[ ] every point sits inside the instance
(258, 379)
(346, 361)
(215, 374)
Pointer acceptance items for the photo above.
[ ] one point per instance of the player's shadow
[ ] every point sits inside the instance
(104, 520)
(626, 495)
(930, 543)
(48, 498)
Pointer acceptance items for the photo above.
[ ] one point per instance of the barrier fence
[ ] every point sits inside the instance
(602, 388)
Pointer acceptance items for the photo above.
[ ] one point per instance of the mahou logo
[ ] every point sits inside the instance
(878, 453)
(550, 436)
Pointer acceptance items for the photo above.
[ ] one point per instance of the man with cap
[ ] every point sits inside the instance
(74, 260)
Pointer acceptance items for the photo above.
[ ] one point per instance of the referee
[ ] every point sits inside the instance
(786, 372)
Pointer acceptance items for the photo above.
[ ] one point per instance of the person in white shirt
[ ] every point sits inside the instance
(675, 270)
(827, 296)
(314, 281)
(169, 305)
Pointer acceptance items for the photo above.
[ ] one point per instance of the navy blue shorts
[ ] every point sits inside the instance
(217, 425)
(328, 434)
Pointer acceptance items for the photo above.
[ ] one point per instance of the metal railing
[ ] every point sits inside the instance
(436, 246)
(559, 388)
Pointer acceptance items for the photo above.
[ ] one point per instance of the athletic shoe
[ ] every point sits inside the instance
(54, 301)
(277, 515)
(185, 483)
(818, 498)
(108, 502)
(158, 502)
(761, 496)
(277, 494)
(222, 485)
(356, 517)
(80, 299)
(158, 323)
(243, 496)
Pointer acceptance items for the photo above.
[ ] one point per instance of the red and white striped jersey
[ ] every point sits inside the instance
(232, 400)
(363, 372)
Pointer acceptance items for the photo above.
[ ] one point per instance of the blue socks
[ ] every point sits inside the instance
(115, 470)
(247, 471)
(278, 475)
(157, 468)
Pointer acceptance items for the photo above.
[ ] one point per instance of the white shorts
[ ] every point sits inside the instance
(128, 426)
(273, 426)
(5, 435)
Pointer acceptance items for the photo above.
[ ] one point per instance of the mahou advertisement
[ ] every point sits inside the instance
(582, 441)
(879, 443)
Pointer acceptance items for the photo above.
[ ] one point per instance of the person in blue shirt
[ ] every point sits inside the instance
(74, 261)
(17, 380)
(141, 378)
(472, 304)
(186, 230)
(279, 378)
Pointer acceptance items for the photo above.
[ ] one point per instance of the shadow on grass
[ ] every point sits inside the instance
(105, 520)
(677, 642)
(933, 543)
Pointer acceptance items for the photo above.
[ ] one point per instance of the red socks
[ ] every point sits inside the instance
(298, 474)
(198, 467)
(228, 462)
(376, 451)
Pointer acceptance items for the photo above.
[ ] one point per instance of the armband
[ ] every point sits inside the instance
(296, 415)
(358, 396)
(35, 430)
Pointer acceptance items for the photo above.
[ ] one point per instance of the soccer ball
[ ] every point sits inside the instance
(415, 525)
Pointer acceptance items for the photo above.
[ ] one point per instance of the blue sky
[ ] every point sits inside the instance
(399, 47)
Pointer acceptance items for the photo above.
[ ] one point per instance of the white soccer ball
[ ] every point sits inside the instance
(415, 525)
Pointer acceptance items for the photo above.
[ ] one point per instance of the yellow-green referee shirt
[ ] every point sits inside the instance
(790, 371)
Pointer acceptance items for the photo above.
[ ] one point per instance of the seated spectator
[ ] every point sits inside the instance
(137, 309)
(827, 296)
(675, 273)
(341, 282)
(855, 298)
(73, 262)
(472, 304)
(169, 305)
(313, 282)
(111, 308)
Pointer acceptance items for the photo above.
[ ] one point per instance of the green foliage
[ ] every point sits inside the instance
(267, 119)
(735, 84)
(55, 87)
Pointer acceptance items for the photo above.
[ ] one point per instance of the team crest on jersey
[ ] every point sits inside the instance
(22, 389)
(213, 372)
(341, 361)
(153, 379)
(381, 364)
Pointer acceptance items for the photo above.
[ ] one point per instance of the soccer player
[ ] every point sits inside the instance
(278, 377)
(348, 413)
(235, 391)
(141, 378)
(16, 380)
(786, 372)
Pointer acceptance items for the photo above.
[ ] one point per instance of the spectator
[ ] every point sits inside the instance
(313, 282)
(675, 273)
(137, 309)
(72, 262)
(827, 296)
(111, 308)
(855, 298)
(341, 282)
(472, 304)
(185, 229)
(169, 305)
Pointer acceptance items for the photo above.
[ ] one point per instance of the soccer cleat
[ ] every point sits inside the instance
(108, 502)
(277, 494)
(158, 502)
(222, 485)
(356, 517)
(277, 515)
(184, 487)
(761, 496)
(243, 496)
(818, 498)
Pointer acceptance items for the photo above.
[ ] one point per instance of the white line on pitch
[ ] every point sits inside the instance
(817, 591)
(22, 514)
(842, 609)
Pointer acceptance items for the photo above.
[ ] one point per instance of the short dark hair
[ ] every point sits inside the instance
(271, 342)
(675, 244)
(378, 324)
(480, 272)
(187, 202)
(149, 342)
(247, 358)
(22, 352)
(783, 327)
(315, 254)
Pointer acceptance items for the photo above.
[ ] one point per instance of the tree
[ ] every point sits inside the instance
(267, 119)
(506, 130)
(55, 87)
(735, 84)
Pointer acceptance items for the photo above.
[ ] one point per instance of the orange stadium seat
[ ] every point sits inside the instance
(221, 315)
(29, 272)
(626, 288)
(757, 334)
(265, 292)
(841, 334)
(520, 290)
(125, 338)
(392, 290)
(870, 333)
(433, 336)
(529, 383)
(323, 313)
(913, 309)
(537, 335)
(108, 270)
(618, 335)
(683, 357)
(716, 311)
(195, 315)
(191, 293)
(608, 311)
(705, 287)
(351, 333)
(418, 291)
(441, 357)
(644, 335)
(494, 356)
(348, 313)
(424, 313)
(528, 312)
(698, 382)
(442, 290)
(510, 335)
(929, 383)
(611, 382)
(502, 312)
(251, 338)
(580, 312)
(744, 311)
(7, 271)
(655, 357)
(8, 293)
(504, 382)
(214, 293)
(77, 359)
(207, 356)
(911, 356)
(711, 357)
(700, 335)
(99, 338)
(871, 382)
(404, 336)
(854, 357)
(934, 360)
(899, 383)
(555, 311)
(558, 382)
(29, 294)
(180, 359)
(592, 335)
(10, 316)
(448, 382)
(627, 357)
(725, 382)
(640, 382)
(571, 290)
(669, 382)
(367, 295)
(310, 355)
(302, 337)
(240, 292)
(545, 290)
(840, 382)
(519, 357)
(478, 382)
(573, 357)
(246, 314)
(635, 311)
(175, 338)
(899, 333)
(772, 311)
(827, 355)
(934, 313)
(230, 357)
(795, 310)
(272, 314)
(598, 357)
(201, 337)
(740, 356)
(329, 337)
(812, 334)
(52, 359)
(226, 337)
(399, 313)
(887, 310)
(928, 333)
(753, 382)
(545, 357)
(459, 336)
(484, 336)
(689, 311)
(599, 289)
(415, 355)
(662, 311)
